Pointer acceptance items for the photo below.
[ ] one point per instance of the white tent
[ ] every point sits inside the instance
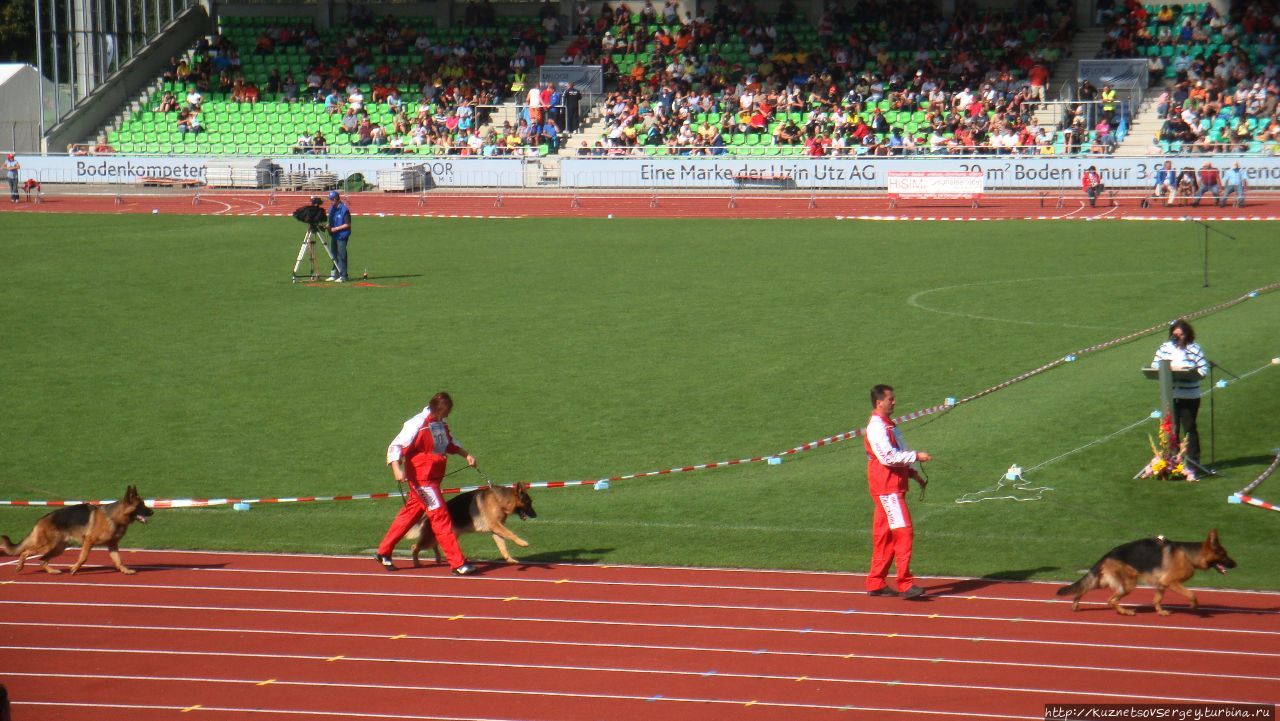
(20, 107)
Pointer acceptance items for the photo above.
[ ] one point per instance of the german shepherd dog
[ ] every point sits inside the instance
(1154, 561)
(90, 525)
(480, 511)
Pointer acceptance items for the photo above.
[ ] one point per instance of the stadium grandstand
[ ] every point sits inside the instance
(545, 82)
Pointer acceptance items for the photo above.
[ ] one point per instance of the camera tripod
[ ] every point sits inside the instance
(308, 251)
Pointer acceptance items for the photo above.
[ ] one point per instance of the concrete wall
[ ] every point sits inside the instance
(84, 124)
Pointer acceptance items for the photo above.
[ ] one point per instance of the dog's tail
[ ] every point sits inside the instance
(1087, 582)
(7, 546)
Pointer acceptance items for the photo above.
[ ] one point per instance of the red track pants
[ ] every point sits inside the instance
(436, 513)
(890, 544)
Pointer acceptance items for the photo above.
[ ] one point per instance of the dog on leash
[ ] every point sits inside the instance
(1156, 562)
(481, 511)
(90, 525)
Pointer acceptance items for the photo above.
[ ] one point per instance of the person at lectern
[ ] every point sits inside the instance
(1183, 353)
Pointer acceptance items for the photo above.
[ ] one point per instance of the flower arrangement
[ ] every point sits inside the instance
(1166, 462)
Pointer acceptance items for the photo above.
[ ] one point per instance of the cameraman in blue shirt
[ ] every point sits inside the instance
(339, 233)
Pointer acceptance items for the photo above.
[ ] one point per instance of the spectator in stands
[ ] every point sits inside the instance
(364, 133)
(350, 122)
(75, 149)
(102, 147)
(1234, 183)
(168, 103)
(1241, 136)
(303, 144)
(289, 90)
(194, 99)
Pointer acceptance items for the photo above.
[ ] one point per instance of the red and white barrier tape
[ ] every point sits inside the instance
(1242, 495)
(829, 440)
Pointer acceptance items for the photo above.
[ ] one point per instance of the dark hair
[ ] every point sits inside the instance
(440, 400)
(879, 392)
(1188, 334)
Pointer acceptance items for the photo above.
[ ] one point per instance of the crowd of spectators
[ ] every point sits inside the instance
(383, 82)
(739, 77)
(1224, 79)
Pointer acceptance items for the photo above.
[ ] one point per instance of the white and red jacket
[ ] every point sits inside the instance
(1090, 179)
(423, 443)
(888, 460)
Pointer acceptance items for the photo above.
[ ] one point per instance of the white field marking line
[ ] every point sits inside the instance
(1090, 444)
(607, 584)
(608, 566)
(1068, 215)
(606, 697)
(507, 664)
(226, 207)
(633, 624)
(914, 299)
(611, 566)
(228, 709)
(642, 647)
(648, 604)
(1130, 427)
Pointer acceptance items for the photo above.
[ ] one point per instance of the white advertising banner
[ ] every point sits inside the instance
(1008, 171)
(449, 172)
(913, 184)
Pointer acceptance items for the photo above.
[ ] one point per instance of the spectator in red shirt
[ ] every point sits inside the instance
(1091, 181)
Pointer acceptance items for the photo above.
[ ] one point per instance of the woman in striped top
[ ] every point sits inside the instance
(1183, 353)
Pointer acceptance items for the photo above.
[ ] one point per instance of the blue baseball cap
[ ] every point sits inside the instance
(333, 195)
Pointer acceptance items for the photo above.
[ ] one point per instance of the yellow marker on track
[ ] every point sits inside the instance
(455, 618)
(191, 708)
(397, 638)
(268, 681)
(335, 658)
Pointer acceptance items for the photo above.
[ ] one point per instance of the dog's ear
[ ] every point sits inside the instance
(1213, 536)
(130, 493)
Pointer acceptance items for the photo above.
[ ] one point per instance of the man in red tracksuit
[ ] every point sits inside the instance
(888, 468)
(424, 442)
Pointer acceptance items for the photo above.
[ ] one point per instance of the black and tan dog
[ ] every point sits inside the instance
(90, 525)
(1154, 561)
(480, 511)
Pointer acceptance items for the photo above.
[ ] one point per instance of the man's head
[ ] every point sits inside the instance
(316, 201)
(440, 404)
(335, 196)
(882, 400)
(8, 156)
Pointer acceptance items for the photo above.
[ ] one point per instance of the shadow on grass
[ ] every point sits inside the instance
(1243, 461)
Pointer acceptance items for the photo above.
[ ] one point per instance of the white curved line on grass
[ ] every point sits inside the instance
(914, 299)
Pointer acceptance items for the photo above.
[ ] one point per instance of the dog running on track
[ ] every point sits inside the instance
(481, 511)
(1154, 561)
(90, 525)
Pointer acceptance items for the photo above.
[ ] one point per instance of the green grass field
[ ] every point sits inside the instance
(174, 353)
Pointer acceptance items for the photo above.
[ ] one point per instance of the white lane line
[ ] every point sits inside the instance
(1130, 696)
(205, 710)
(401, 615)
(842, 612)
(700, 650)
(411, 717)
(226, 207)
(570, 566)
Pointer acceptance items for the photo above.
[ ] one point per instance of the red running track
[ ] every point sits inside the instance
(257, 636)
(1263, 205)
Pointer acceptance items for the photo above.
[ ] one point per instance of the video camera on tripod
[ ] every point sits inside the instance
(314, 215)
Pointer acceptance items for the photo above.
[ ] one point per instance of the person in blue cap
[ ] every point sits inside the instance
(339, 233)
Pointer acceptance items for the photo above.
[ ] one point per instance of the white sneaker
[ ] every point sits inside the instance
(338, 280)
(330, 279)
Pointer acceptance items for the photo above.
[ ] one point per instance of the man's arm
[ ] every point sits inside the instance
(878, 439)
